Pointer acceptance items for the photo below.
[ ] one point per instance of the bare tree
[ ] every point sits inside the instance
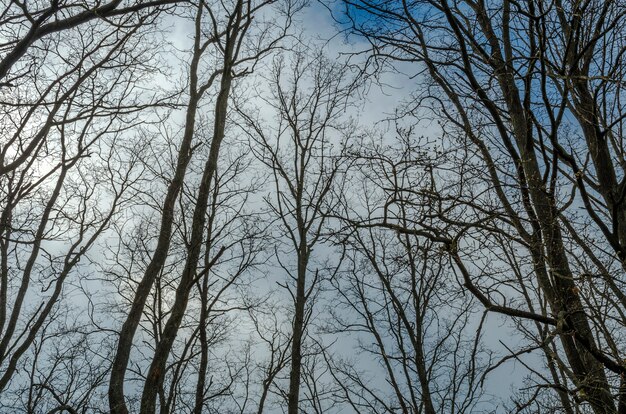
(40, 27)
(228, 32)
(68, 99)
(532, 90)
(304, 152)
(397, 296)
(139, 260)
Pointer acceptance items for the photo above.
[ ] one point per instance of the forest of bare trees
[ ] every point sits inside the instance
(313, 206)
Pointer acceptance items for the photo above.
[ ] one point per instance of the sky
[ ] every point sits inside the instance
(377, 104)
(376, 108)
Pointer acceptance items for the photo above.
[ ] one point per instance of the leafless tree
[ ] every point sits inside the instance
(397, 296)
(304, 151)
(35, 35)
(532, 91)
(167, 247)
(72, 88)
(224, 34)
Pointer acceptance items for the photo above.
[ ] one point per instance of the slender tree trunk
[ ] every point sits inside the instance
(117, 402)
(295, 371)
(204, 347)
(156, 373)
